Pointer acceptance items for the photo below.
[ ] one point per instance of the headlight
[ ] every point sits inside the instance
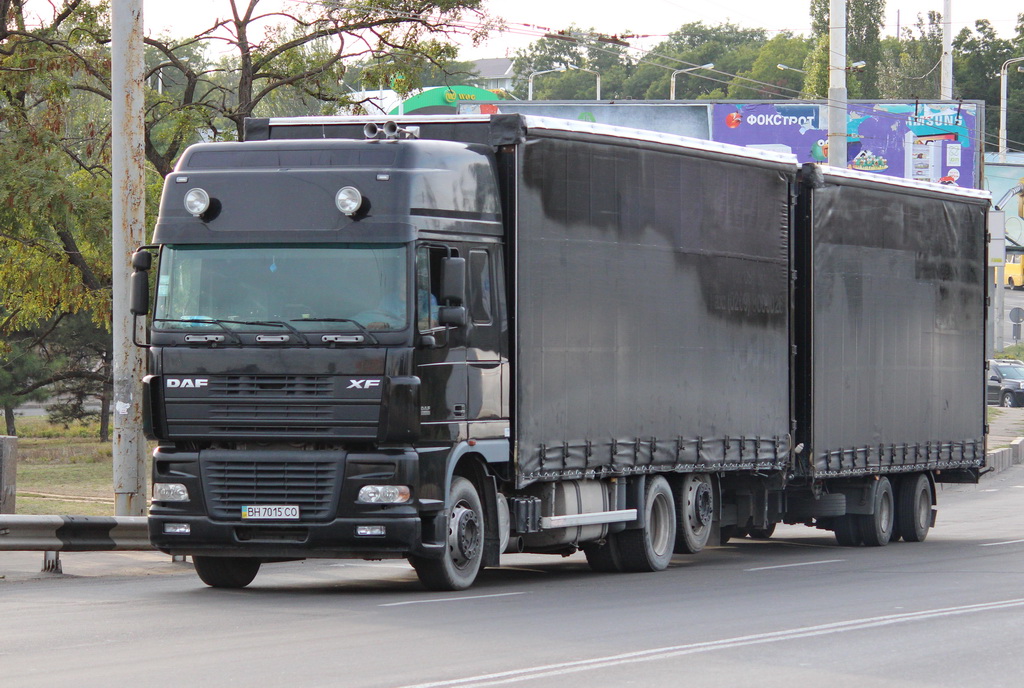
(170, 492)
(383, 494)
(348, 200)
(197, 201)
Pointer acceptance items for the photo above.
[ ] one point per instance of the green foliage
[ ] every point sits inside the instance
(764, 79)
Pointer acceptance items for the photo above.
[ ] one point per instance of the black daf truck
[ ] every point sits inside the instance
(444, 339)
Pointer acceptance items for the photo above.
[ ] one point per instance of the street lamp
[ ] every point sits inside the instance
(672, 88)
(792, 69)
(584, 69)
(1002, 105)
(529, 83)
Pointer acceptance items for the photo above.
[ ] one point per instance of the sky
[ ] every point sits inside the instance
(529, 19)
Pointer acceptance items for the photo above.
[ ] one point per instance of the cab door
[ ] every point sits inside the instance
(440, 354)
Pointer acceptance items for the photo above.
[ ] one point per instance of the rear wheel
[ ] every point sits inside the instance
(695, 507)
(650, 548)
(847, 530)
(458, 567)
(226, 572)
(914, 507)
(876, 528)
(604, 557)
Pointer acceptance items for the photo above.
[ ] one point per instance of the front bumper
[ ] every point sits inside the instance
(403, 536)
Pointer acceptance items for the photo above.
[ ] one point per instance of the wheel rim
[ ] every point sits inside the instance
(698, 505)
(464, 535)
(660, 524)
(1007, 400)
(885, 513)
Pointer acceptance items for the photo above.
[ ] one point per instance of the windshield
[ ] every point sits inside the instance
(1012, 372)
(310, 287)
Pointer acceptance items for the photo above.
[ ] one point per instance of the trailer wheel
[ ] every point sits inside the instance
(604, 557)
(226, 572)
(914, 508)
(876, 528)
(847, 530)
(763, 533)
(695, 507)
(650, 548)
(458, 567)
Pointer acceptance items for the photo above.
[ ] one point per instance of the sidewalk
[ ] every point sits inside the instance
(1005, 427)
(22, 566)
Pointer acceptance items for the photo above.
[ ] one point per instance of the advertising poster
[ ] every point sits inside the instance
(936, 142)
(1006, 182)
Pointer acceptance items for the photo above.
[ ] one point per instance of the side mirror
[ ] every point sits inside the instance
(452, 315)
(453, 281)
(142, 261)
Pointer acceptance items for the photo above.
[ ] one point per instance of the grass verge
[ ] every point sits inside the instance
(63, 470)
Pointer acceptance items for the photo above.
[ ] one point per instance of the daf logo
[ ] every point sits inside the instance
(363, 384)
(187, 382)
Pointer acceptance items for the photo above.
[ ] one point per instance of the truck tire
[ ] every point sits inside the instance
(226, 572)
(604, 557)
(458, 566)
(763, 533)
(876, 528)
(914, 507)
(650, 548)
(847, 530)
(695, 508)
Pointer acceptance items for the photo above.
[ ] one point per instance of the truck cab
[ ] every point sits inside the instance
(326, 334)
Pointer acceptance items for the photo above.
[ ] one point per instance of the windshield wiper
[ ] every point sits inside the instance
(202, 321)
(359, 325)
(275, 323)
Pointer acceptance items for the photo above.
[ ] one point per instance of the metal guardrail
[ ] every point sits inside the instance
(55, 534)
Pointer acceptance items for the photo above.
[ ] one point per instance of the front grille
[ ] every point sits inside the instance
(269, 412)
(310, 485)
(298, 386)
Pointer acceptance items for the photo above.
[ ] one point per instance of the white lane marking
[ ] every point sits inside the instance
(552, 670)
(789, 566)
(996, 544)
(452, 599)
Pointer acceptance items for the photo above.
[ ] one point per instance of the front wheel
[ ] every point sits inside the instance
(226, 572)
(1008, 400)
(458, 567)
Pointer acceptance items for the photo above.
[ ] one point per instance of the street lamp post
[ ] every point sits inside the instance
(672, 88)
(529, 83)
(787, 67)
(1002, 105)
(584, 69)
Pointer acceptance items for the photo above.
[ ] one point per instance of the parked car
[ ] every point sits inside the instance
(1006, 382)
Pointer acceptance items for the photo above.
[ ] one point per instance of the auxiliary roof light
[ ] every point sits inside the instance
(349, 200)
(197, 201)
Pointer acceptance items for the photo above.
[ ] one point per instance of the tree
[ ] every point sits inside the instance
(864, 20)
(55, 126)
(571, 47)
(731, 48)
(765, 79)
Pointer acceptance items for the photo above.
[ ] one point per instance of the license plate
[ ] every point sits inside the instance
(266, 512)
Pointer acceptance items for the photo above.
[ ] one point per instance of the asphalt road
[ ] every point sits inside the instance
(794, 611)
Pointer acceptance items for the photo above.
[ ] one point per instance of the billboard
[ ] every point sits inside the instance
(927, 141)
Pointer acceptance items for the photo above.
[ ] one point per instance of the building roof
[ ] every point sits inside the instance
(494, 67)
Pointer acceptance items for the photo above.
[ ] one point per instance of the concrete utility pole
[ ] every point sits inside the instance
(946, 87)
(129, 231)
(837, 119)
